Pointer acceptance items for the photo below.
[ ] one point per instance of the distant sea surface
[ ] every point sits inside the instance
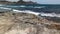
(47, 8)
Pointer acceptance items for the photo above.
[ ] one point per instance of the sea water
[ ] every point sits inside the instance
(37, 9)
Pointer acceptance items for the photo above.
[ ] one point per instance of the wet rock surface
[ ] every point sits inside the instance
(22, 23)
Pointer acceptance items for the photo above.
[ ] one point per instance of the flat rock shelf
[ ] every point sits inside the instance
(24, 23)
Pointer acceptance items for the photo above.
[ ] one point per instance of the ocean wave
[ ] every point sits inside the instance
(49, 14)
(39, 14)
(22, 6)
(27, 11)
(32, 12)
(25, 6)
(40, 7)
(5, 8)
(2, 5)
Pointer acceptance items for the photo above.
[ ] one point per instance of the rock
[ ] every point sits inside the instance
(19, 2)
(23, 23)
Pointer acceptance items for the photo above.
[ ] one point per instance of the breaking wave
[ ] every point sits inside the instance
(32, 12)
(9, 6)
(39, 14)
(27, 11)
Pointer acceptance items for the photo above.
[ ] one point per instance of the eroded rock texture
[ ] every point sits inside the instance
(22, 23)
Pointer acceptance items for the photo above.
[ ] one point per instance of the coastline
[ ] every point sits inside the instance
(30, 17)
(12, 19)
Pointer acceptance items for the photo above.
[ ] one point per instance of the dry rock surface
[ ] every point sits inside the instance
(22, 23)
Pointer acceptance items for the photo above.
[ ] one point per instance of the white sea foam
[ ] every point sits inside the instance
(31, 12)
(41, 14)
(40, 7)
(22, 6)
(50, 14)
(11, 6)
(5, 8)
(27, 11)
(15, 6)
(26, 6)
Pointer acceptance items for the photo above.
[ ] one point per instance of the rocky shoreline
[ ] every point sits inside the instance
(23, 23)
(19, 2)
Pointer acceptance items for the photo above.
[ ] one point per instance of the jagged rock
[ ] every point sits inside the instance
(19, 2)
(22, 23)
